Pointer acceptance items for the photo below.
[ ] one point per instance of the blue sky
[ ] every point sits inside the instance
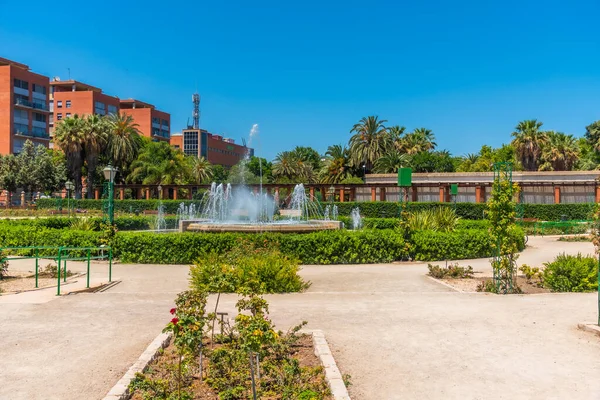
(307, 71)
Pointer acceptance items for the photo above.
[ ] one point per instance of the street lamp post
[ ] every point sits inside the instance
(364, 172)
(331, 193)
(69, 186)
(109, 175)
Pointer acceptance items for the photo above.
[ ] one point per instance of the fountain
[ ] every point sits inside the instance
(238, 209)
(160, 223)
(356, 218)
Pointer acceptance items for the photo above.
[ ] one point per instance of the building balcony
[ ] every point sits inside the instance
(32, 134)
(32, 105)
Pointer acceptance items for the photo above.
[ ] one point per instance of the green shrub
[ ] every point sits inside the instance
(123, 223)
(568, 273)
(473, 224)
(437, 219)
(452, 271)
(461, 244)
(371, 209)
(271, 270)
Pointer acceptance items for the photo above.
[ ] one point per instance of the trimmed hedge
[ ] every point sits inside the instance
(462, 244)
(377, 209)
(331, 247)
(124, 223)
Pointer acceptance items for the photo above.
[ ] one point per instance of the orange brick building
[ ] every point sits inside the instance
(151, 122)
(215, 148)
(24, 110)
(72, 97)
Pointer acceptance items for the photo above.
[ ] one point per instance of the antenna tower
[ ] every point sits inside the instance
(196, 112)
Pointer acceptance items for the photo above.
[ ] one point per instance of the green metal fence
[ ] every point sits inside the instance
(60, 255)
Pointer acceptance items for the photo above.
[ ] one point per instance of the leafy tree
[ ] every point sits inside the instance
(370, 141)
(439, 161)
(256, 165)
(8, 174)
(220, 174)
(528, 142)
(588, 158)
(487, 156)
(240, 173)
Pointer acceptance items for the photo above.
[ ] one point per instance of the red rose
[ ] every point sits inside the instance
(175, 321)
(173, 310)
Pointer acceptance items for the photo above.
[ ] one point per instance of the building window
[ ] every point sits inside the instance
(39, 117)
(21, 84)
(20, 129)
(59, 104)
(58, 116)
(39, 89)
(165, 123)
(100, 108)
(112, 109)
(51, 106)
(68, 103)
(68, 115)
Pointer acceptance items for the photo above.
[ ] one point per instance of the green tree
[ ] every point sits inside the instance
(8, 174)
(560, 152)
(125, 141)
(391, 162)
(592, 135)
(528, 142)
(336, 166)
(438, 161)
(160, 164)
(370, 141)
(69, 136)
(96, 131)
(258, 165)
(201, 169)
(308, 155)
(289, 167)
(220, 174)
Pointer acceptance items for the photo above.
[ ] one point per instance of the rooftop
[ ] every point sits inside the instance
(79, 86)
(133, 103)
(5, 61)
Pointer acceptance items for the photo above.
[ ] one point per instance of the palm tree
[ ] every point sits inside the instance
(336, 167)
(592, 135)
(159, 164)
(288, 165)
(124, 141)
(69, 136)
(201, 169)
(471, 157)
(396, 133)
(391, 162)
(528, 142)
(560, 153)
(96, 133)
(426, 137)
(370, 141)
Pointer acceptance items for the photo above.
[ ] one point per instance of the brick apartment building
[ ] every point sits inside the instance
(24, 110)
(71, 97)
(152, 123)
(215, 148)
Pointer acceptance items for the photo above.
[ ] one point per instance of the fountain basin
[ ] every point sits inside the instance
(278, 226)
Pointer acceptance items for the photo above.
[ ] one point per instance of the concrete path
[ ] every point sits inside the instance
(399, 334)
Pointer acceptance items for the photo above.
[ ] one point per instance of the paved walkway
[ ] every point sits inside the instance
(399, 334)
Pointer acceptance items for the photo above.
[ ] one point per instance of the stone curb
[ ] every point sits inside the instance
(592, 328)
(332, 373)
(121, 390)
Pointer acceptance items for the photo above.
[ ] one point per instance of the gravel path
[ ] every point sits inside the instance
(398, 334)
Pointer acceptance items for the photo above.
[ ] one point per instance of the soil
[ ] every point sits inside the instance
(21, 281)
(162, 368)
(470, 285)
